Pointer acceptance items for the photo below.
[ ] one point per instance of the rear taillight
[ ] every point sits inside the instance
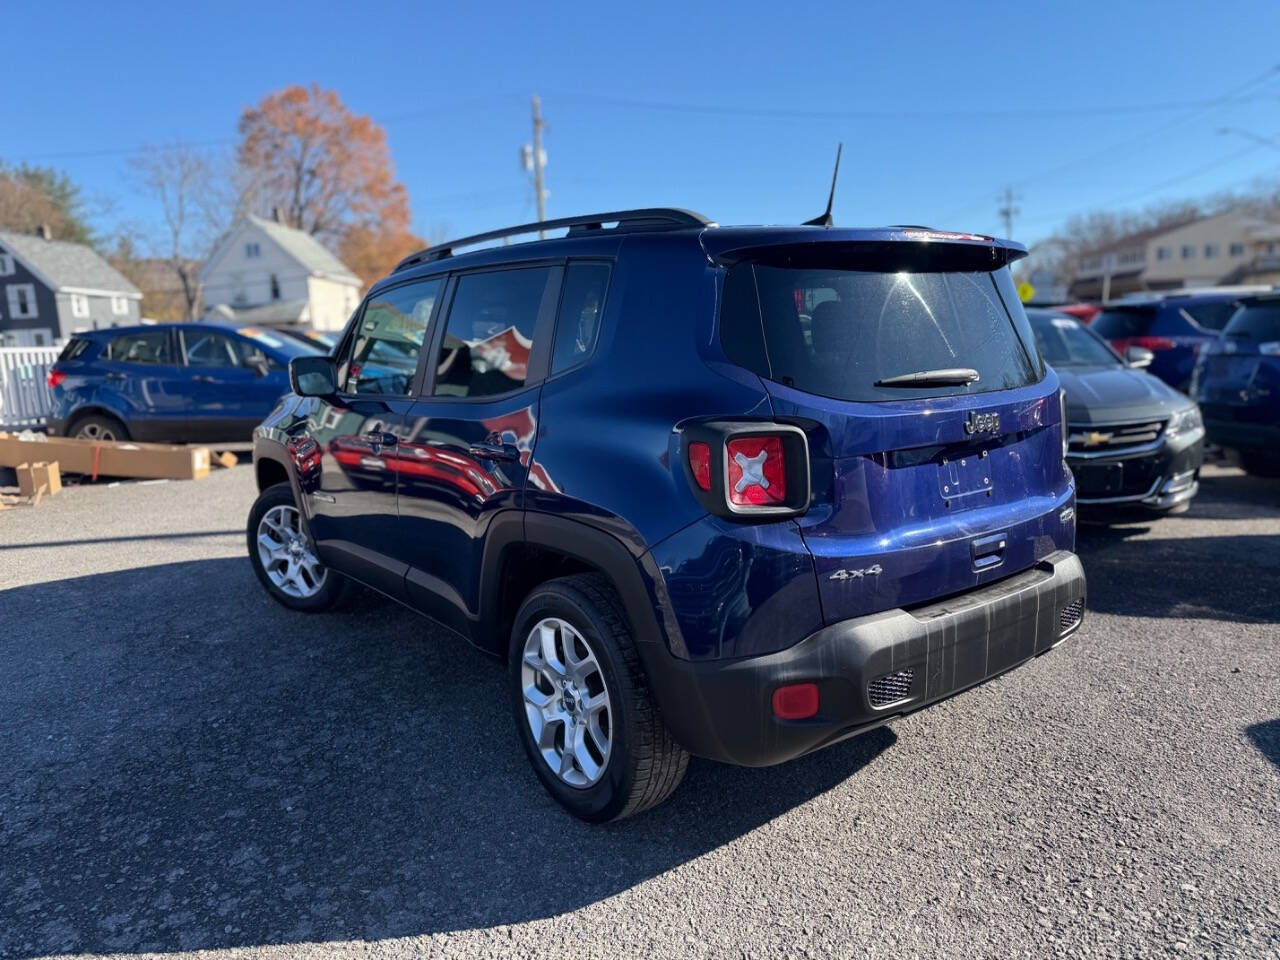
(1149, 343)
(700, 464)
(741, 469)
(757, 474)
(55, 378)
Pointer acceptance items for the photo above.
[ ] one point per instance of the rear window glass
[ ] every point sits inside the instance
(74, 348)
(1210, 316)
(1114, 324)
(1258, 321)
(837, 332)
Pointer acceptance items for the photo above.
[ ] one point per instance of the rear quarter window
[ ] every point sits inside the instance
(836, 333)
(1259, 322)
(76, 348)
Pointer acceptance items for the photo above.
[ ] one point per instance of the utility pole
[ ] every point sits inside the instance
(1008, 210)
(539, 161)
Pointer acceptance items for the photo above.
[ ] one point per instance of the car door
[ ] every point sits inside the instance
(221, 384)
(466, 458)
(141, 380)
(351, 500)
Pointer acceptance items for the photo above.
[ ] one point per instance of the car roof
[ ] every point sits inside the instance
(588, 236)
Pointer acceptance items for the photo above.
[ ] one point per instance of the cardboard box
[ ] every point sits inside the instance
(31, 477)
(147, 461)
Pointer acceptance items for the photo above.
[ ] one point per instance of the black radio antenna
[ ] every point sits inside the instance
(825, 220)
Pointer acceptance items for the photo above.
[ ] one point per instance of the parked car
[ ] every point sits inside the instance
(1237, 383)
(1174, 327)
(1084, 312)
(170, 382)
(1133, 441)
(323, 339)
(687, 520)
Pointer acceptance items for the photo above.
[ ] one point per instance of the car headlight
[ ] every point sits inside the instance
(1185, 421)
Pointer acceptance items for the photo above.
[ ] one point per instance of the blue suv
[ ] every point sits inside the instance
(1237, 384)
(1175, 327)
(738, 492)
(170, 382)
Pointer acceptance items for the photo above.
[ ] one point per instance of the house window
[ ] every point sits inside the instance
(6, 265)
(22, 301)
(1163, 253)
(79, 305)
(1210, 251)
(1188, 252)
(275, 287)
(252, 251)
(1236, 250)
(119, 306)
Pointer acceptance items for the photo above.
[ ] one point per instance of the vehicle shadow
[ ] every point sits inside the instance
(190, 766)
(1233, 496)
(1266, 737)
(1220, 577)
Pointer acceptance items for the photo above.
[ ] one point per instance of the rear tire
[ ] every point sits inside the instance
(280, 552)
(597, 698)
(98, 426)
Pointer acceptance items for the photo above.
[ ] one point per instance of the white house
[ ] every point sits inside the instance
(264, 273)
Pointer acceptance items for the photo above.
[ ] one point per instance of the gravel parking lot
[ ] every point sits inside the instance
(187, 766)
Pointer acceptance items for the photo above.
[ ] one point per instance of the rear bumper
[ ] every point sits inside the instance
(723, 709)
(1239, 435)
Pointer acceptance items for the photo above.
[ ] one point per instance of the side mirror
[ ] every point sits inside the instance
(313, 377)
(1138, 357)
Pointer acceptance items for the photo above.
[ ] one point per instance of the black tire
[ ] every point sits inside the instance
(98, 426)
(333, 591)
(645, 764)
(1260, 465)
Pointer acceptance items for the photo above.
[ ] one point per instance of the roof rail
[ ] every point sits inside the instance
(654, 218)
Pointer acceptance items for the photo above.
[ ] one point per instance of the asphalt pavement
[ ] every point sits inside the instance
(185, 765)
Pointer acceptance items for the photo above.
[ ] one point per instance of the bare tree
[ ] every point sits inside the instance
(182, 180)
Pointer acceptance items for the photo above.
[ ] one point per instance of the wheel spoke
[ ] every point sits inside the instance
(537, 697)
(550, 656)
(586, 762)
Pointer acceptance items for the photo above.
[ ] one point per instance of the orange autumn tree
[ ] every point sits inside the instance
(328, 171)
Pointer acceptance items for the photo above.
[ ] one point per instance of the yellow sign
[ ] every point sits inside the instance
(1026, 291)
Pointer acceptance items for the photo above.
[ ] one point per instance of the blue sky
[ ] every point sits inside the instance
(730, 109)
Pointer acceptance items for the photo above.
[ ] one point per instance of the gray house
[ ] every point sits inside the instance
(49, 289)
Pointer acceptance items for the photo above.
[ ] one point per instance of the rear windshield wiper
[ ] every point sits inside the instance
(949, 377)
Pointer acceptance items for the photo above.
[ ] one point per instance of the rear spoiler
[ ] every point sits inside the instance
(888, 249)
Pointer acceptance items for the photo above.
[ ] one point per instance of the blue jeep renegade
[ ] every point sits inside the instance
(740, 492)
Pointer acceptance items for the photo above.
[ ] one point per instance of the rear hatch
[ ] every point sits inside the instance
(1239, 374)
(924, 489)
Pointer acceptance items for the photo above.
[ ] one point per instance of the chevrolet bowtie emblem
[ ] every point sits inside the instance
(752, 471)
(1096, 439)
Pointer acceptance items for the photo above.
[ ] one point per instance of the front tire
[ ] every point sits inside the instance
(282, 556)
(582, 704)
(99, 427)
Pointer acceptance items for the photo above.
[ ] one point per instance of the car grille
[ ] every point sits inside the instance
(890, 688)
(1113, 438)
(1069, 616)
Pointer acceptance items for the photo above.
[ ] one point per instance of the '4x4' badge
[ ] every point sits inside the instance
(872, 571)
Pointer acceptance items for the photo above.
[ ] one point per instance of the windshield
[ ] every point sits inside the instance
(845, 333)
(1255, 321)
(280, 344)
(1063, 342)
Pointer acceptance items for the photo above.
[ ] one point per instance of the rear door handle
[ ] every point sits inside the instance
(494, 451)
(117, 376)
(380, 439)
(204, 378)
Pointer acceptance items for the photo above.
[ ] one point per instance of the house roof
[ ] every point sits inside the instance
(1140, 238)
(306, 249)
(283, 311)
(66, 266)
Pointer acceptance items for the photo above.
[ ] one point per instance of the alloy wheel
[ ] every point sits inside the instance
(96, 431)
(286, 554)
(566, 702)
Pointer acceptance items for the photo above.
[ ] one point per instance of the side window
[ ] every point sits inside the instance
(209, 348)
(581, 307)
(1210, 316)
(152, 346)
(381, 356)
(486, 345)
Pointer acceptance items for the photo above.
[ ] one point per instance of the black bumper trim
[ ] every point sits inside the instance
(722, 709)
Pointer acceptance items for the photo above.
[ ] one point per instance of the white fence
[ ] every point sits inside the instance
(25, 397)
